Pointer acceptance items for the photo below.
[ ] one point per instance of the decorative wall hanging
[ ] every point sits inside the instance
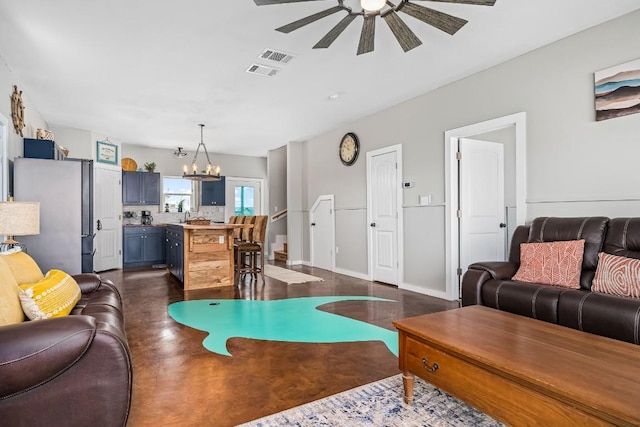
(370, 9)
(17, 110)
(45, 134)
(106, 152)
(617, 91)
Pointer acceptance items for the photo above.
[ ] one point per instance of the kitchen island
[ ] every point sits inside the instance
(201, 256)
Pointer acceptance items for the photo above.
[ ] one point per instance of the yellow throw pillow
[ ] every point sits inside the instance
(24, 268)
(53, 296)
(10, 309)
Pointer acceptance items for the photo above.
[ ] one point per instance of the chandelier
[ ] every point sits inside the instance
(210, 173)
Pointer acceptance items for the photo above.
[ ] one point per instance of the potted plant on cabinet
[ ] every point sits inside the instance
(150, 167)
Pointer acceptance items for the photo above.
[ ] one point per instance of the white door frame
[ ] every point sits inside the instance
(332, 234)
(400, 213)
(451, 186)
(228, 210)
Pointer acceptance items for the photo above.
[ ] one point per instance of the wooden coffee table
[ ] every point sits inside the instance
(522, 371)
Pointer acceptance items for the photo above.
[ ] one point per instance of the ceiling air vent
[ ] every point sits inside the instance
(276, 56)
(262, 70)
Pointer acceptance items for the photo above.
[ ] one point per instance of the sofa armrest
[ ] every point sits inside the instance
(481, 272)
(90, 282)
(499, 270)
(33, 353)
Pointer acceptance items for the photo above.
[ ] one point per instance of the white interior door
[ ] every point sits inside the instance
(108, 219)
(383, 217)
(322, 233)
(482, 210)
(243, 197)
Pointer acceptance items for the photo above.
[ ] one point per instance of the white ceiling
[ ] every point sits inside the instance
(147, 72)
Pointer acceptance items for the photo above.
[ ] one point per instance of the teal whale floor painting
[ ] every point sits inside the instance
(291, 320)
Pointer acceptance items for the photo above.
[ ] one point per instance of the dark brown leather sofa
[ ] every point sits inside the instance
(68, 371)
(490, 284)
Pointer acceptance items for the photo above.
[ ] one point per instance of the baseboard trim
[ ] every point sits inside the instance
(424, 291)
(350, 273)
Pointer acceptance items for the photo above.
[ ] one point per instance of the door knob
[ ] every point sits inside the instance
(313, 224)
(503, 225)
(99, 225)
(373, 224)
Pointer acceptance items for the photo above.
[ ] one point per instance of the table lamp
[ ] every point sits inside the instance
(18, 219)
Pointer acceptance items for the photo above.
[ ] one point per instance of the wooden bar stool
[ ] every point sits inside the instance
(247, 252)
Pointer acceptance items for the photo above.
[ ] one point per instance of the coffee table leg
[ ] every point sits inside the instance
(407, 381)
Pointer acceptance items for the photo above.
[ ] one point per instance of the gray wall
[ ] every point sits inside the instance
(575, 166)
(33, 121)
(277, 167)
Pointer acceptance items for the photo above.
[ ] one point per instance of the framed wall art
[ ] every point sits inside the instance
(617, 91)
(106, 152)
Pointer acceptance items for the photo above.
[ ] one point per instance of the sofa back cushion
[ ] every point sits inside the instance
(623, 238)
(520, 235)
(591, 229)
(10, 308)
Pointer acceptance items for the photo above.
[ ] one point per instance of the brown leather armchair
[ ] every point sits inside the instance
(73, 370)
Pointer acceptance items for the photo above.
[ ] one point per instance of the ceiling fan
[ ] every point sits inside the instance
(388, 11)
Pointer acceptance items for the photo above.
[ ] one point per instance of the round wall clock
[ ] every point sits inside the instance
(349, 149)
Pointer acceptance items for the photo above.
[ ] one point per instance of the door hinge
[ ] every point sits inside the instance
(459, 272)
(459, 213)
(458, 155)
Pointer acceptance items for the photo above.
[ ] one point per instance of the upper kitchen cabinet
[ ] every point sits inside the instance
(42, 149)
(212, 193)
(140, 188)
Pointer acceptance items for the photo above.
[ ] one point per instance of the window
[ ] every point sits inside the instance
(176, 189)
(243, 204)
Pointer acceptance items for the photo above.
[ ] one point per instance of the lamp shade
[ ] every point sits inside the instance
(19, 218)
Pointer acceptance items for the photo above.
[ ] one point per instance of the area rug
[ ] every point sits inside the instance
(380, 404)
(289, 276)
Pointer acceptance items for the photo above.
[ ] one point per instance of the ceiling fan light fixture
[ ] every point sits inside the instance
(179, 153)
(372, 5)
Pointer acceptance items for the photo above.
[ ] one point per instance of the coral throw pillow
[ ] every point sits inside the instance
(53, 296)
(617, 275)
(551, 263)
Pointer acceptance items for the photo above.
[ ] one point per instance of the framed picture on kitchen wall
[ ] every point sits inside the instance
(106, 152)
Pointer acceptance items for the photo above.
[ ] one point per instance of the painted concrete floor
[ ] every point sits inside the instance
(178, 382)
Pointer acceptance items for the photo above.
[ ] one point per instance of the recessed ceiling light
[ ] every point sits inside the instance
(333, 96)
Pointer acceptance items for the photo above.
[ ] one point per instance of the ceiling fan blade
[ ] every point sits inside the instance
(407, 39)
(308, 20)
(475, 2)
(367, 35)
(332, 35)
(442, 21)
(268, 2)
